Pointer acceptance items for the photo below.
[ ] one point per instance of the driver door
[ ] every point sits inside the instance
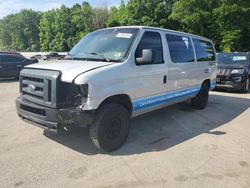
(150, 77)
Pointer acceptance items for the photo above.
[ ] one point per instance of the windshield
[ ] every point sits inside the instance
(109, 44)
(232, 59)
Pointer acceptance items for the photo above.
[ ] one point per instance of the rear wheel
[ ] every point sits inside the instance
(245, 86)
(111, 127)
(199, 102)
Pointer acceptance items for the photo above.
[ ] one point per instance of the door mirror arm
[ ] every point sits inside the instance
(147, 57)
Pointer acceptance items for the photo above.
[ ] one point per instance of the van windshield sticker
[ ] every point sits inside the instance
(124, 35)
(239, 58)
(185, 39)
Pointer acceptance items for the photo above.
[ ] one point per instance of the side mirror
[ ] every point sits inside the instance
(147, 57)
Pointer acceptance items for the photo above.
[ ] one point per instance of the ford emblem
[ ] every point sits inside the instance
(31, 87)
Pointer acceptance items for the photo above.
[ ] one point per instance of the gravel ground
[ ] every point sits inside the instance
(172, 147)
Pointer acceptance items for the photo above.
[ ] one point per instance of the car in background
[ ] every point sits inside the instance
(36, 57)
(11, 63)
(53, 55)
(233, 71)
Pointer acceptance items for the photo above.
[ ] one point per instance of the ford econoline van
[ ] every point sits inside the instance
(115, 74)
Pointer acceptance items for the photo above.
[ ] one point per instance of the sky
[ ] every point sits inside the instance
(14, 6)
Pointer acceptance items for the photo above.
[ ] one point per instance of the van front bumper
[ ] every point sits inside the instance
(53, 119)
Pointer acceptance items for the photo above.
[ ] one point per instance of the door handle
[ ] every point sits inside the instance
(165, 79)
(19, 66)
(206, 71)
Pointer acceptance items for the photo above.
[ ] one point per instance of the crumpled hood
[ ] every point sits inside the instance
(70, 69)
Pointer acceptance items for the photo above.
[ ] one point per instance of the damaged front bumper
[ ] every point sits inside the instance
(52, 119)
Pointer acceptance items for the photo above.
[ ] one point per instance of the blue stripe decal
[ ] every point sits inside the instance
(140, 104)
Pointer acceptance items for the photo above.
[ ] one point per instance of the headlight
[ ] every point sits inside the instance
(84, 90)
(237, 71)
(80, 96)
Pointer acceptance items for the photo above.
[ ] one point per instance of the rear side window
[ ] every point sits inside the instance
(204, 50)
(151, 40)
(4, 59)
(15, 59)
(11, 59)
(180, 48)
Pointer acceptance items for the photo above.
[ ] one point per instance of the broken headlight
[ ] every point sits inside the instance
(81, 96)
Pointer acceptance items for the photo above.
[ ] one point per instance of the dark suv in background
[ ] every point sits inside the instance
(53, 55)
(233, 71)
(11, 64)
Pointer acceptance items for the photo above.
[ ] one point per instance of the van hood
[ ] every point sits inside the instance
(70, 69)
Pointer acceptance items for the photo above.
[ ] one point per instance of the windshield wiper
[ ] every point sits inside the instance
(69, 56)
(100, 55)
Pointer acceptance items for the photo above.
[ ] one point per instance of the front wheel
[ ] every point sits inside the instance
(111, 127)
(245, 86)
(199, 102)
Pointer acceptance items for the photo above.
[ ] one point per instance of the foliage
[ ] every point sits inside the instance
(20, 31)
(226, 22)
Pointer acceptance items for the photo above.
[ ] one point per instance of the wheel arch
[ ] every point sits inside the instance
(208, 83)
(122, 99)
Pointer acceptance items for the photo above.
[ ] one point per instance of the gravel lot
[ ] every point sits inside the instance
(172, 147)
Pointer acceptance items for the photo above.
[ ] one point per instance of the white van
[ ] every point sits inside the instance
(115, 74)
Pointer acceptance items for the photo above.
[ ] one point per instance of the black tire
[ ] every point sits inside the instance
(111, 127)
(245, 86)
(199, 102)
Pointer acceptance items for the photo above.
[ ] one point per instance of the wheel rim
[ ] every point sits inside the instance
(114, 128)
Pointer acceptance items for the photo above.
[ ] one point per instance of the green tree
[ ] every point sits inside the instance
(100, 18)
(122, 14)
(47, 30)
(232, 25)
(81, 22)
(225, 22)
(63, 29)
(20, 31)
(149, 12)
(113, 19)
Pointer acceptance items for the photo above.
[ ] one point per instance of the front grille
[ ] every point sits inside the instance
(223, 72)
(33, 87)
(39, 86)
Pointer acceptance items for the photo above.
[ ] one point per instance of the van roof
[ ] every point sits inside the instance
(9, 53)
(162, 29)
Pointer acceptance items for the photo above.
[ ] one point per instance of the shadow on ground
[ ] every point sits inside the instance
(8, 80)
(230, 91)
(165, 128)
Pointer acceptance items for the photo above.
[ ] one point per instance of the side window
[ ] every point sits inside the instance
(4, 59)
(19, 59)
(151, 40)
(11, 59)
(204, 50)
(180, 48)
